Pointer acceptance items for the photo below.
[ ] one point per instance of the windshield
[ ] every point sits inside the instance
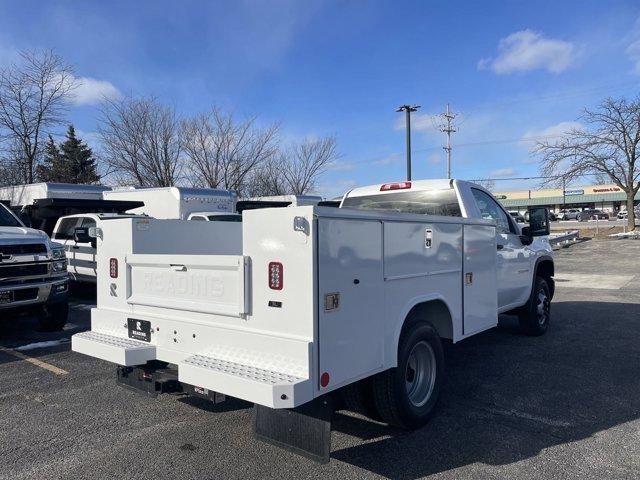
(7, 219)
(225, 218)
(425, 202)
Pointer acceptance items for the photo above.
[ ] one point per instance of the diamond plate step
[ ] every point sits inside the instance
(122, 351)
(248, 382)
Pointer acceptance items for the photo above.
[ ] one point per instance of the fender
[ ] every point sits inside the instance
(403, 317)
(543, 258)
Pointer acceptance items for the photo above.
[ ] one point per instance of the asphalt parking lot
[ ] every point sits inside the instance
(565, 405)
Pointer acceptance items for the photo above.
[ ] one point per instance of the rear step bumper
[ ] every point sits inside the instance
(122, 351)
(246, 380)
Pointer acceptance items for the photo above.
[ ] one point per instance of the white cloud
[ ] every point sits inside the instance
(633, 49)
(557, 130)
(388, 160)
(528, 50)
(91, 91)
(341, 166)
(503, 172)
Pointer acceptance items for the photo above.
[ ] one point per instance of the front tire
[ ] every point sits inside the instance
(53, 318)
(405, 396)
(534, 317)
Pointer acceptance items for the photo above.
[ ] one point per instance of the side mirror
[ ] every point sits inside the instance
(81, 235)
(539, 222)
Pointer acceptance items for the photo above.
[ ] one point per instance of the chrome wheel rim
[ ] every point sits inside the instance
(420, 374)
(543, 307)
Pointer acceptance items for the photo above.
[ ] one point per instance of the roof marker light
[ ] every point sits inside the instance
(395, 186)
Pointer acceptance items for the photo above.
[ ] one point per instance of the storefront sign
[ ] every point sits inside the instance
(574, 192)
(607, 189)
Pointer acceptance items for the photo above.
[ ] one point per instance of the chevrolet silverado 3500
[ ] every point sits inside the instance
(307, 304)
(33, 273)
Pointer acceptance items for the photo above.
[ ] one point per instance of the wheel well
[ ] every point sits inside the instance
(435, 312)
(545, 269)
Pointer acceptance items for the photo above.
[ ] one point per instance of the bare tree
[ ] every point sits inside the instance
(222, 151)
(606, 147)
(34, 96)
(141, 141)
(297, 169)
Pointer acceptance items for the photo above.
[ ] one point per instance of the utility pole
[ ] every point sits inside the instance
(448, 128)
(408, 109)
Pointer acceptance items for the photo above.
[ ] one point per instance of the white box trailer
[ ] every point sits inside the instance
(23, 195)
(314, 300)
(176, 202)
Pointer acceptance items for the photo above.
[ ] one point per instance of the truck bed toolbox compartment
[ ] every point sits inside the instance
(123, 351)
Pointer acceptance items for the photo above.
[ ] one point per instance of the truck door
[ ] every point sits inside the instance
(513, 258)
(350, 298)
(63, 233)
(85, 253)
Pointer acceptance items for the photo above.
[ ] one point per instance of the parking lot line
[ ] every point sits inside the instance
(34, 361)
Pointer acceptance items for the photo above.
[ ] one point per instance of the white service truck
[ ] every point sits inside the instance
(311, 303)
(33, 274)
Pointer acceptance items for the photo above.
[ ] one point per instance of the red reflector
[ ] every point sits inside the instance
(395, 186)
(276, 272)
(324, 379)
(113, 268)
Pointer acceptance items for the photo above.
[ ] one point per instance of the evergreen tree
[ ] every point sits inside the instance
(78, 159)
(52, 168)
(71, 162)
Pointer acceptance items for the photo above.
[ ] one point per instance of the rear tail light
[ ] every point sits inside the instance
(395, 186)
(113, 268)
(276, 273)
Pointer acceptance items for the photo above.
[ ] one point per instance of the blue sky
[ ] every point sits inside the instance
(513, 70)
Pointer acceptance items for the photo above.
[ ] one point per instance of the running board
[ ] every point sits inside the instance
(305, 430)
(123, 351)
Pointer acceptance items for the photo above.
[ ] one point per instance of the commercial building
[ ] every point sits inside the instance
(609, 198)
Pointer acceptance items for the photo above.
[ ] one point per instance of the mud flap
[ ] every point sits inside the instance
(305, 430)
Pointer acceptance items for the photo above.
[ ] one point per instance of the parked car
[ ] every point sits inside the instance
(623, 214)
(569, 214)
(518, 217)
(592, 214)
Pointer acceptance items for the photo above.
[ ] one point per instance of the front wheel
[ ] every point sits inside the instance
(405, 396)
(535, 315)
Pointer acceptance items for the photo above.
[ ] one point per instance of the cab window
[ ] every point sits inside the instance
(66, 229)
(88, 222)
(490, 210)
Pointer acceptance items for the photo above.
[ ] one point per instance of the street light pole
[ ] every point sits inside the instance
(408, 109)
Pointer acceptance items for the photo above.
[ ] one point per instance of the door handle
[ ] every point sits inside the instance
(499, 247)
(178, 268)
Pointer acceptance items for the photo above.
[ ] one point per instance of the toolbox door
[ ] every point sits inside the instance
(479, 288)
(350, 300)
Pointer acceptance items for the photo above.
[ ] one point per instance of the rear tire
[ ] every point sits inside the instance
(53, 318)
(358, 397)
(405, 396)
(534, 317)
